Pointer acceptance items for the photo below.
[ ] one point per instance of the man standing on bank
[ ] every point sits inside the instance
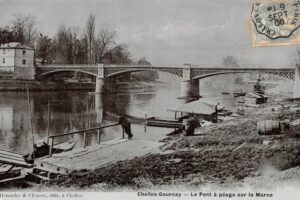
(126, 126)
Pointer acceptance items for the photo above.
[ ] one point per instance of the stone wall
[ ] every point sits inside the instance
(24, 73)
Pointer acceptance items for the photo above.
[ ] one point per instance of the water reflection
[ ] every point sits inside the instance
(71, 111)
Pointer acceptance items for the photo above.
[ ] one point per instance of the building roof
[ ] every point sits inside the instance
(255, 95)
(14, 45)
(195, 107)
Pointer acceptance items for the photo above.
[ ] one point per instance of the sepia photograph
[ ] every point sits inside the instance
(149, 99)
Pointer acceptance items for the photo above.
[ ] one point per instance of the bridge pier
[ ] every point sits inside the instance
(99, 108)
(105, 86)
(190, 89)
(297, 83)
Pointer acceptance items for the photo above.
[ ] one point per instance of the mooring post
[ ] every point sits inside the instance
(98, 136)
(51, 146)
(84, 139)
(123, 133)
(146, 122)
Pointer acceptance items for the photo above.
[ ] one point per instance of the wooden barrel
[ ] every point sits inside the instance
(185, 124)
(189, 125)
(268, 127)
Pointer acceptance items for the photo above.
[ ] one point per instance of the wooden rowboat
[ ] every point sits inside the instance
(43, 149)
(238, 94)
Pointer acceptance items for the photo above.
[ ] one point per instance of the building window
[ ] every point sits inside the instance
(3, 60)
(24, 62)
(24, 52)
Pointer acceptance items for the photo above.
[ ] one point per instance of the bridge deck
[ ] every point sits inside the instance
(96, 156)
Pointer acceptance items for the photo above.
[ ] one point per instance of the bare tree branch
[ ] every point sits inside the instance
(90, 33)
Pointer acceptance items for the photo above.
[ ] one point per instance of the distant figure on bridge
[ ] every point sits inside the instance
(125, 125)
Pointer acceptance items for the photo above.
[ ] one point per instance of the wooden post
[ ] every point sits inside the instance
(51, 146)
(145, 125)
(84, 139)
(48, 131)
(123, 133)
(31, 126)
(98, 136)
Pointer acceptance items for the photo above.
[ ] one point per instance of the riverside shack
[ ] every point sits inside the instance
(201, 110)
(253, 98)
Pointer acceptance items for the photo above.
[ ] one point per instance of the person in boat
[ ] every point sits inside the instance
(40, 149)
(125, 125)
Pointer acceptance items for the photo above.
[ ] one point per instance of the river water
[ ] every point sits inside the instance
(71, 111)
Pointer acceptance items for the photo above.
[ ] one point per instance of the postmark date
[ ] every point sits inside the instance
(277, 15)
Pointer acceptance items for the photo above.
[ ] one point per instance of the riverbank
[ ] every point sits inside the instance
(13, 85)
(226, 154)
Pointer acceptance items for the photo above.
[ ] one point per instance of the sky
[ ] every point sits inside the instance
(166, 32)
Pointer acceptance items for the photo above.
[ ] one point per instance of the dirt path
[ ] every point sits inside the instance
(96, 156)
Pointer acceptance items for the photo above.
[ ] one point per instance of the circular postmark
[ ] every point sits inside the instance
(276, 19)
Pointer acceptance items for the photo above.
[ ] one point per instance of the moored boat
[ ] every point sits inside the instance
(42, 149)
(239, 94)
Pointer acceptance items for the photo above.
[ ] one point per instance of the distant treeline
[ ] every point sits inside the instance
(71, 45)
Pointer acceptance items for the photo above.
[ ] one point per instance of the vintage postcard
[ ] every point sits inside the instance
(149, 99)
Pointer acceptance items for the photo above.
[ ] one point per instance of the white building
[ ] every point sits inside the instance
(18, 60)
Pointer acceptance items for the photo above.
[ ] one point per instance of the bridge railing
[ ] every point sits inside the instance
(67, 65)
(162, 66)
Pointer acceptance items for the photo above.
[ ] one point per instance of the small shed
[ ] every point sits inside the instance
(198, 108)
(255, 98)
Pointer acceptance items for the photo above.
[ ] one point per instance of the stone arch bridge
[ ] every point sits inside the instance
(189, 74)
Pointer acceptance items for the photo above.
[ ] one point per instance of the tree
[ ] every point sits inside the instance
(66, 45)
(7, 35)
(117, 55)
(43, 47)
(25, 29)
(107, 51)
(146, 75)
(90, 35)
(230, 61)
(105, 43)
(81, 50)
(143, 61)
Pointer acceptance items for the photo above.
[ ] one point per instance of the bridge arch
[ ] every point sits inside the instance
(115, 74)
(57, 71)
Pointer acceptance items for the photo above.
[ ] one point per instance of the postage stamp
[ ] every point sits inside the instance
(275, 22)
